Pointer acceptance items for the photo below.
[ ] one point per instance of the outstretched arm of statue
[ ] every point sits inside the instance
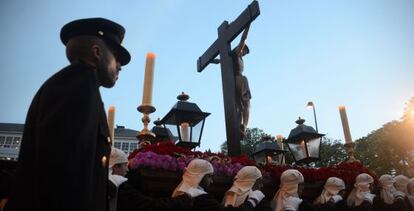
(243, 40)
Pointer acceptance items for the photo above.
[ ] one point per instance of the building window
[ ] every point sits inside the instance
(2, 140)
(125, 146)
(134, 146)
(8, 143)
(117, 145)
(16, 143)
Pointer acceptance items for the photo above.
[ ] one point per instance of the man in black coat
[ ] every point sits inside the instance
(63, 159)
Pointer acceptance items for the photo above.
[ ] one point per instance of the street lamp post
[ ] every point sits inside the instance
(311, 105)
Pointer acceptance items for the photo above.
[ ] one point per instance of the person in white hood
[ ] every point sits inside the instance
(287, 198)
(291, 186)
(118, 166)
(410, 187)
(197, 178)
(196, 171)
(361, 197)
(247, 180)
(410, 190)
(401, 184)
(123, 196)
(389, 197)
(333, 186)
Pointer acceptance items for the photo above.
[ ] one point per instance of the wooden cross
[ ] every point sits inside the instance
(222, 46)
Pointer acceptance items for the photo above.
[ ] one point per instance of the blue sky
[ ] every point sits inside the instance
(359, 53)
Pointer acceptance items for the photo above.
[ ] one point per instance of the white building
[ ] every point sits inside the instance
(11, 136)
(125, 139)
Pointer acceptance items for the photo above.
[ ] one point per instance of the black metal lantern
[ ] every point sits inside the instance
(304, 143)
(268, 151)
(186, 122)
(161, 132)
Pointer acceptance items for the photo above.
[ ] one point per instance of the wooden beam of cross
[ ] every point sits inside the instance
(222, 46)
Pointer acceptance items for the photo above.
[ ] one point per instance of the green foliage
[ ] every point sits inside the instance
(253, 136)
(331, 152)
(387, 150)
(390, 149)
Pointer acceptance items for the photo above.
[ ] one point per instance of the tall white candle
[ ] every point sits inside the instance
(345, 125)
(111, 122)
(148, 79)
(185, 132)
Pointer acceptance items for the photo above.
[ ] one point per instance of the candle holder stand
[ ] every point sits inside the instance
(349, 147)
(145, 136)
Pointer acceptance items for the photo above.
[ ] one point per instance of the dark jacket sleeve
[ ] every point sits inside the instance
(130, 199)
(365, 206)
(112, 189)
(264, 205)
(309, 206)
(341, 205)
(408, 205)
(401, 205)
(208, 202)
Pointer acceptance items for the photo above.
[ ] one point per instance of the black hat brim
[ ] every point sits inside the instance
(111, 32)
(122, 55)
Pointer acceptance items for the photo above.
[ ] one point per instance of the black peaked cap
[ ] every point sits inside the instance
(112, 33)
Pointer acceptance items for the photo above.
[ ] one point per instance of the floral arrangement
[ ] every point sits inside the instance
(345, 171)
(168, 156)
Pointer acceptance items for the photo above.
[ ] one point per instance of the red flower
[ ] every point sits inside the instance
(345, 171)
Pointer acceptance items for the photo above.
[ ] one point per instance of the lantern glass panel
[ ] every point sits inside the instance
(196, 130)
(278, 158)
(186, 131)
(298, 149)
(174, 131)
(313, 147)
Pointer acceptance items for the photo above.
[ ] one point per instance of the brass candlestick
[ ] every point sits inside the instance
(145, 136)
(349, 147)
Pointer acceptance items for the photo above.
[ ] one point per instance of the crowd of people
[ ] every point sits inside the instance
(391, 193)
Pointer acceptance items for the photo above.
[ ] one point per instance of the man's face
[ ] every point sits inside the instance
(108, 67)
(120, 169)
(371, 186)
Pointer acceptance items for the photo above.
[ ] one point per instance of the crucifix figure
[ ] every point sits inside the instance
(236, 93)
(243, 94)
